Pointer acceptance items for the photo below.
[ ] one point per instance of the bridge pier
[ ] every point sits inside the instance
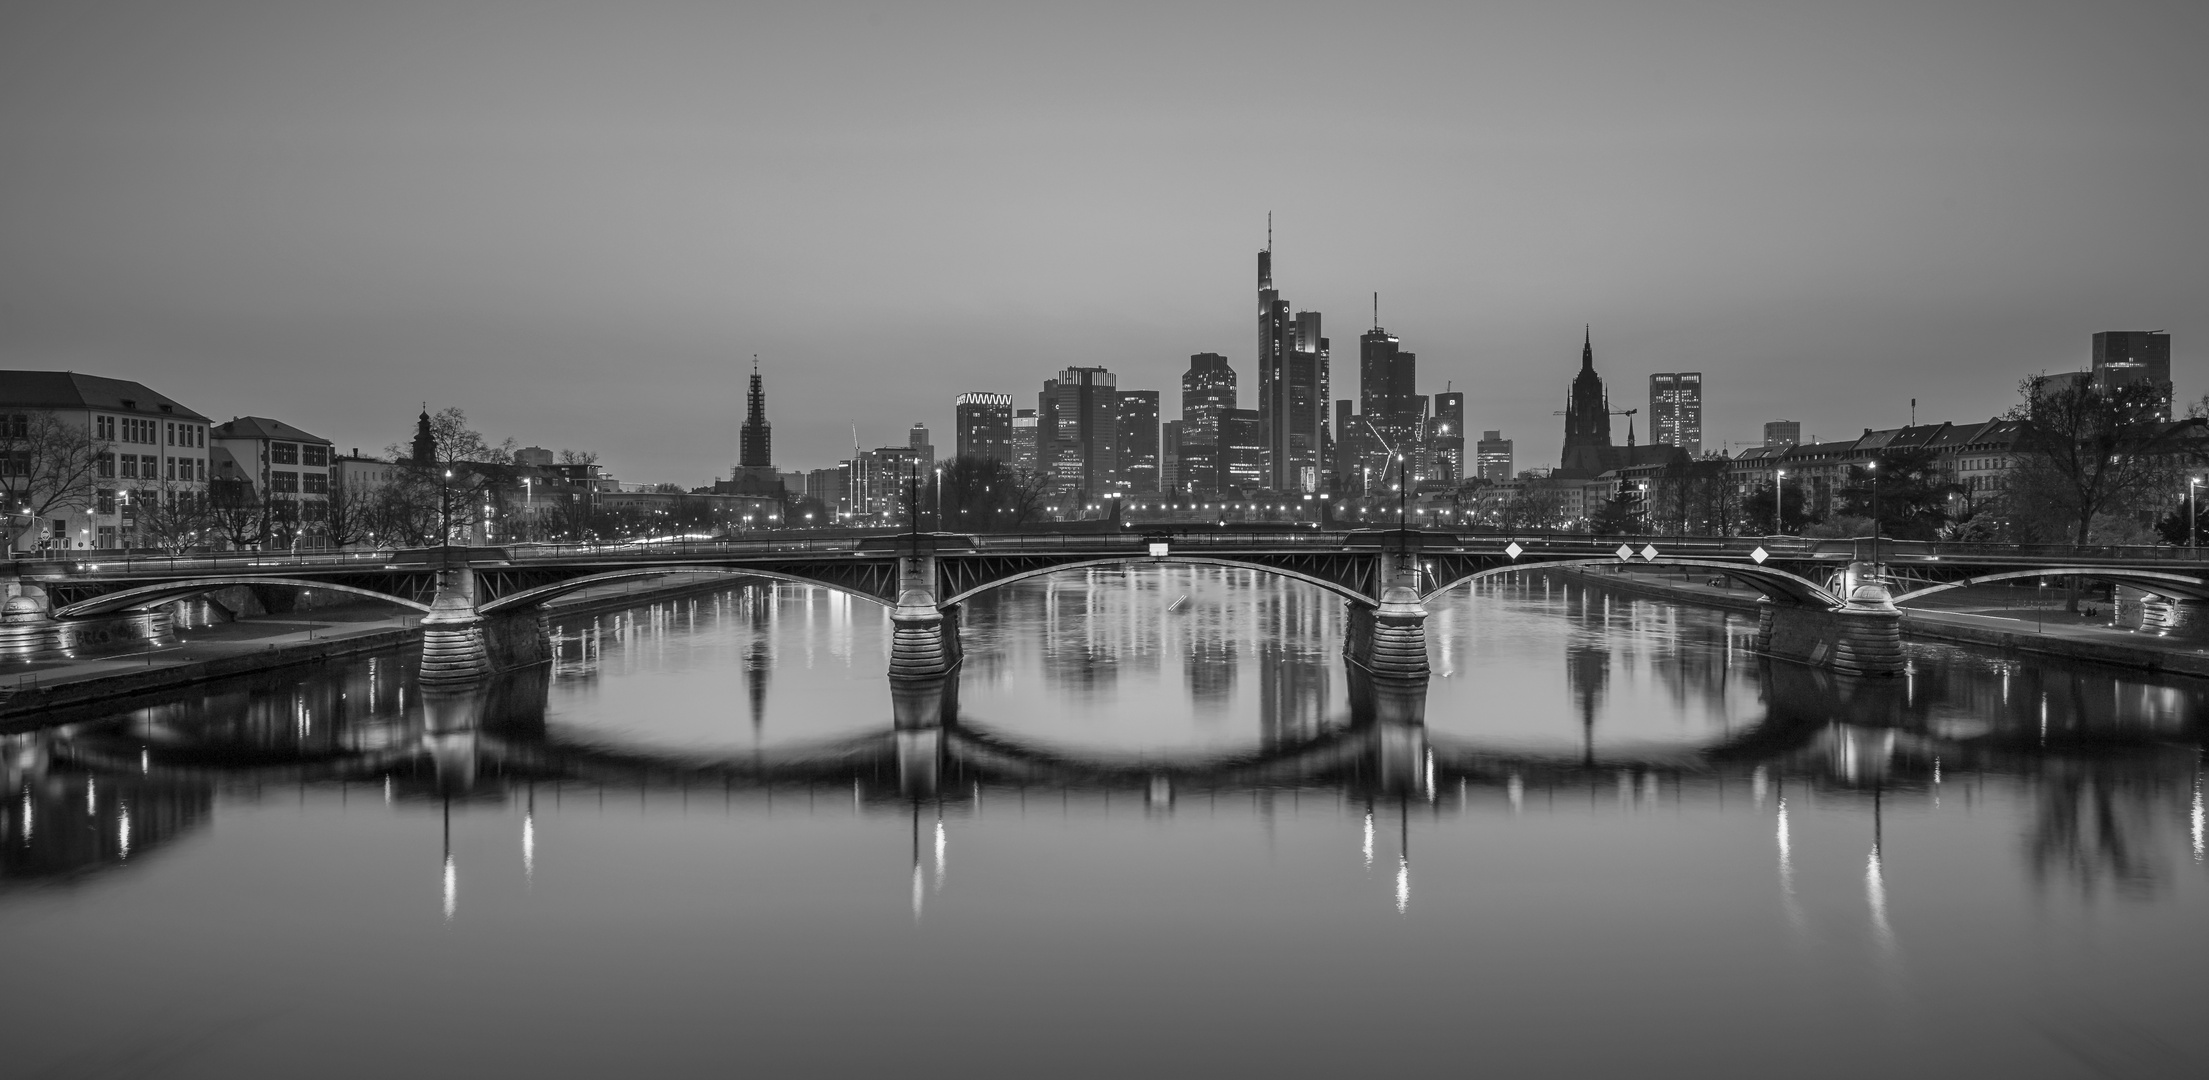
(1389, 641)
(920, 710)
(453, 647)
(2180, 617)
(924, 639)
(1861, 637)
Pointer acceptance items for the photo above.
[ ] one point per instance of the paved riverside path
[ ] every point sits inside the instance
(1987, 616)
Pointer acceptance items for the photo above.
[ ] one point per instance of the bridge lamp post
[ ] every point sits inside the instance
(445, 503)
(2193, 484)
(1779, 503)
(1873, 468)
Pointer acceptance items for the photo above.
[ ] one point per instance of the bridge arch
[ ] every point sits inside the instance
(527, 598)
(1335, 587)
(2154, 581)
(1779, 585)
(146, 596)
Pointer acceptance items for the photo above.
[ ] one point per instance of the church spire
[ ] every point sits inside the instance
(1587, 348)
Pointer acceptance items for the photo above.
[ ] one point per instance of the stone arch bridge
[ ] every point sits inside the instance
(482, 606)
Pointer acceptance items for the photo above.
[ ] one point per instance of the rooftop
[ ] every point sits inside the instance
(70, 390)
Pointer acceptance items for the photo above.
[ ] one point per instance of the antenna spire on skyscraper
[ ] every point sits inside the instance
(1376, 311)
(1269, 230)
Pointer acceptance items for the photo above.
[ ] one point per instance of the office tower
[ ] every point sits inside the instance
(1782, 433)
(1492, 457)
(2131, 356)
(755, 438)
(1207, 389)
(1587, 453)
(1390, 409)
(1077, 431)
(1293, 385)
(1025, 452)
(1676, 410)
(1169, 456)
(1349, 448)
(985, 426)
(1447, 446)
(1138, 437)
(922, 446)
(1242, 451)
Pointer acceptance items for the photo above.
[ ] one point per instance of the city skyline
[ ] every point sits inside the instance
(1828, 214)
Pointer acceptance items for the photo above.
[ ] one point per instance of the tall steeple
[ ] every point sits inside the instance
(1587, 348)
(1587, 452)
(425, 444)
(755, 439)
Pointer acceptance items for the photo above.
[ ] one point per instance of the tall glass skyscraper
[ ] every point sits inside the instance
(1676, 410)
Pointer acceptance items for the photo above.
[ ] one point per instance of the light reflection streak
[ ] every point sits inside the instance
(91, 797)
(920, 889)
(1875, 892)
(122, 831)
(942, 841)
(1788, 902)
(1403, 883)
(1517, 789)
(529, 846)
(29, 819)
(452, 887)
(2199, 820)
(1369, 838)
(1756, 786)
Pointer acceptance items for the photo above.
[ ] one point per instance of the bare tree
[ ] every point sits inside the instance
(47, 465)
(2087, 450)
(174, 520)
(465, 472)
(235, 512)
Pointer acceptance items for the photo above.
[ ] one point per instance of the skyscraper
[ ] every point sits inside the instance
(985, 426)
(2131, 356)
(1676, 410)
(1292, 387)
(1587, 452)
(1447, 446)
(755, 439)
(1388, 404)
(1138, 437)
(1207, 390)
(1077, 431)
(922, 445)
(1493, 457)
(1782, 433)
(1026, 453)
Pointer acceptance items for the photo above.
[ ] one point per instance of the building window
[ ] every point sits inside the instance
(19, 426)
(202, 468)
(106, 501)
(314, 483)
(286, 482)
(107, 466)
(317, 456)
(130, 466)
(283, 453)
(104, 428)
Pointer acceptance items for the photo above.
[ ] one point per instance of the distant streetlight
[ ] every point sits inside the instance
(2193, 484)
(1779, 513)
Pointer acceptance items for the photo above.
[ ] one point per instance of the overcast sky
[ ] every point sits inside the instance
(579, 221)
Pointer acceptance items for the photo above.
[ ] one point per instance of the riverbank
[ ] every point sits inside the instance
(2048, 633)
(34, 691)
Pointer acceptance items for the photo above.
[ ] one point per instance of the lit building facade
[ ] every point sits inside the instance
(1492, 457)
(1676, 410)
(1077, 431)
(1137, 427)
(985, 426)
(1781, 434)
(149, 462)
(1293, 388)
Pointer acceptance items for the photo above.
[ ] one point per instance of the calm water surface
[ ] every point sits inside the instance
(1164, 833)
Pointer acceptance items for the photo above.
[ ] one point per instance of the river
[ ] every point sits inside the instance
(1160, 831)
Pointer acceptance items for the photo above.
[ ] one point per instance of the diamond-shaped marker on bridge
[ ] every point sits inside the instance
(1760, 555)
(1513, 549)
(1649, 553)
(1625, 553)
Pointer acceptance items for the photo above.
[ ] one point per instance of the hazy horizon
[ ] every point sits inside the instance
(579, 223)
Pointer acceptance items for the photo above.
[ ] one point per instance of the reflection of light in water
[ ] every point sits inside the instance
(920, 889)
(145, 762)
(1430, 776)
(1369, 839)
(91, 797)
(1756, 785)
(2196, 818)
(529, 845)
(27, 817)
(1517, 789)
(941, 840)
(452, 887)
(1787, 870)
(387, 789)
(1875, 891)
(122, 831)
(1403, 883)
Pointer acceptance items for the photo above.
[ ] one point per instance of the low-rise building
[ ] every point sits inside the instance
(92, 462)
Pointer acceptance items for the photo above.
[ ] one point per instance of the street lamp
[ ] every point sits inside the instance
(1779, 511)
(2193, 484)
(1873, 468)
(445, 504)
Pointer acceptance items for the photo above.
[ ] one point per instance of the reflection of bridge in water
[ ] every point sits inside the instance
(102, 794)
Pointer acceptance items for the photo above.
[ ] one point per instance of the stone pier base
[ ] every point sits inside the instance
(924, 643)
(1389, 641)
(2177, 618)
(1847, 639)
